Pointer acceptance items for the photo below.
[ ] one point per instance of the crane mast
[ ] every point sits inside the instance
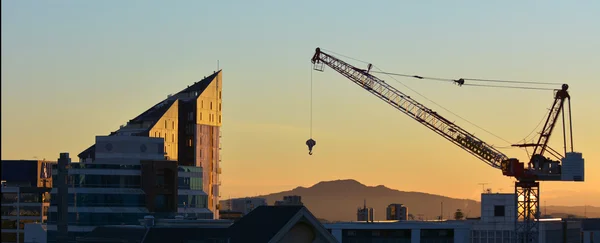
(539, 167)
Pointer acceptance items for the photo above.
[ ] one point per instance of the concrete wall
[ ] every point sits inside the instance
(123, 148)
(167, 128)
(36, 233)
(589, 235)
(490, 200)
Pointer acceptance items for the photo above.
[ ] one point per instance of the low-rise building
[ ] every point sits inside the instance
(246, 205)
(396, 211)
(263, 224)
(400, 231)
(25, 196)
(590, 230)
(292, 200)
(128, 178)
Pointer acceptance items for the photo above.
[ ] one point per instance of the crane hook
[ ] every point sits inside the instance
(310, 143)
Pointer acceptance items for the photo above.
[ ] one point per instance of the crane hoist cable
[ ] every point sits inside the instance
(311, 142)
(454, 80)
(462, 81)
(444, 108)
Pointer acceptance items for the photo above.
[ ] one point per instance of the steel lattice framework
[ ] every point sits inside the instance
(528, 206)
(526, 187)
(415, 110)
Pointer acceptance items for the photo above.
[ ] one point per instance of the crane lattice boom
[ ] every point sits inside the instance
(540, 168)
(414, 109)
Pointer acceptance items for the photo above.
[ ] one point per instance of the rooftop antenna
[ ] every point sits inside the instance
(545, 208)
(483, 186)
(442, 210)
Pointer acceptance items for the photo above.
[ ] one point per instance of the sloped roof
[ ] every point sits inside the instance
(157, 111)
(114, 234)
(170, 234)
(262, 223)
(154, 113)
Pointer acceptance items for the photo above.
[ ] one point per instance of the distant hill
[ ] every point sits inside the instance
(569, 211)
(338, 200)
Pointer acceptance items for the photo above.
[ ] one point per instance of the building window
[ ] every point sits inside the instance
(211, 105)
(173, 137)
(499, 211)
(202, 104)
(165, 123)
(219, 94)
(219, 106)
(219, 118)
(173, 124)
(200, 116)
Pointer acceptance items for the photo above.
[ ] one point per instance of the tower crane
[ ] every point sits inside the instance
(567, 167)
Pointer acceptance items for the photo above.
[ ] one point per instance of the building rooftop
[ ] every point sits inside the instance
(141, 124)
(396, 224)
(264, 224)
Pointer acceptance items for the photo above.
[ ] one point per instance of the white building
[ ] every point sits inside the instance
(401, 231)
(496, 225)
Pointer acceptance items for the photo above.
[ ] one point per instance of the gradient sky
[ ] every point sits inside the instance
(72, 70)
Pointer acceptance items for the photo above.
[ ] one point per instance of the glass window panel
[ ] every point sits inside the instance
(9, 197)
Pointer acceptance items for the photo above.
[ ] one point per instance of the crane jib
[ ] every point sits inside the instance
(414, 109)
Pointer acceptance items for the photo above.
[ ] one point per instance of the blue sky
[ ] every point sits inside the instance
(75, 69)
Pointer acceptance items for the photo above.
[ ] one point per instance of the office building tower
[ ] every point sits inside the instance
(189, 123)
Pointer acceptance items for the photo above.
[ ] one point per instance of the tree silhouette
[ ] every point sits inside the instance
(458, 215)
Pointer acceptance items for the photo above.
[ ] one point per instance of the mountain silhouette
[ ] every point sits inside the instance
(338, 200)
